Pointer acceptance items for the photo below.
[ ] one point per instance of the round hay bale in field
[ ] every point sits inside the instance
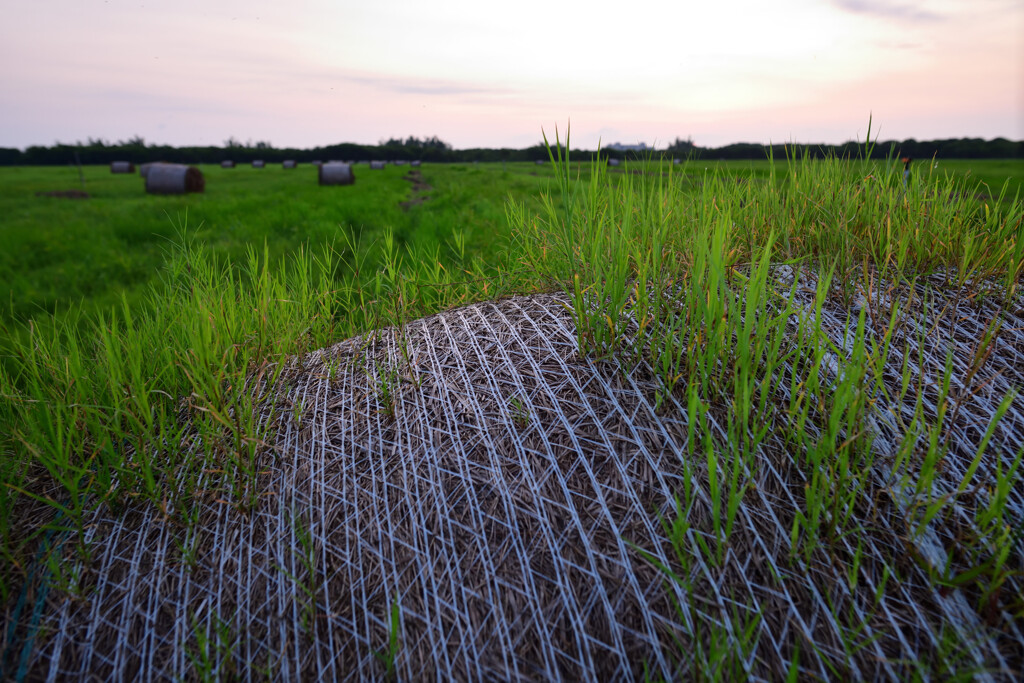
(227, 164)
(377, 165)
(289, 163)
(520, 505)
(400, 162)
(540, 162)
(258, 164)
(144, 168)
(122, 167)
(336, 173)
(614, 162)
(416, 163)
(174, 179)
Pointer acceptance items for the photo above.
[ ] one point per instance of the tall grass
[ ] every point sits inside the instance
(696, 275)
(99, 410)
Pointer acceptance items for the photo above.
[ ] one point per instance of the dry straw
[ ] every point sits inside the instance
(336, 173)
(174, 179)
(122, 167)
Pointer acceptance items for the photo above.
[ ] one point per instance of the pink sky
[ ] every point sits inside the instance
(314, 72)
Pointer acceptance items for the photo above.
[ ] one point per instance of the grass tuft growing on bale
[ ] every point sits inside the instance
(723, 289)
(100, 410)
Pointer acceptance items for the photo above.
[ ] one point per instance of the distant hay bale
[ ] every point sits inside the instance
(144, 168)
(316, 162)
(614, 162)
(539, 162)
(174, 179)
(122, 167)
(227, 164)
(400, 162)
(258, 164)
(289, 163)
(415, 163)
(336, 173)
(377, 165)
(676, 161)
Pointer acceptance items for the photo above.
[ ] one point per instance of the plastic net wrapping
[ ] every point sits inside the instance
(470, 499)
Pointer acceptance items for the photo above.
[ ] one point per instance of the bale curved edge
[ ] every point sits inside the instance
(174, 179)
(336, 173)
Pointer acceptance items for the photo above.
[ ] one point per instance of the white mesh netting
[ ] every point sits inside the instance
(503, 496)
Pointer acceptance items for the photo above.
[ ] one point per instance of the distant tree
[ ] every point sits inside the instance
(10, 156)
(134, 141)
(682, 147)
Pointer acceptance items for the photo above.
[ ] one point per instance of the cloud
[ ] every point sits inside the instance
(888, 10)
(897, 45)
(406, 86)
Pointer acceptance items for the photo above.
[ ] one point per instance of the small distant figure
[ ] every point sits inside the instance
(906, 170)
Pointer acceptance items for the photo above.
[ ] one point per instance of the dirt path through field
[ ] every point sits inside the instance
(419, 189)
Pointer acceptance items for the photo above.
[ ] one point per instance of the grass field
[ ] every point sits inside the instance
(814, 318)
(57, 252)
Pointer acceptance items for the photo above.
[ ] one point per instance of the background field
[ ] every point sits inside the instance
(57, 252)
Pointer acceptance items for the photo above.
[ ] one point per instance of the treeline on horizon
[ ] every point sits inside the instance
(432, 149)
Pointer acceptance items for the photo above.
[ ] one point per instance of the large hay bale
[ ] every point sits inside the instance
(174, 179)
(289, 163)
(336, 173)
(122, 167)
(258, 164)
(144, 168)
(516, 502)
(227, 164)
(377, 165)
